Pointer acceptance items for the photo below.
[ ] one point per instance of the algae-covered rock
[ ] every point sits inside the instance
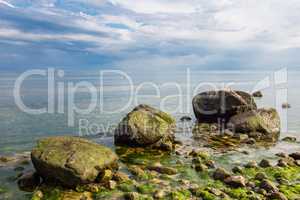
(257, 94)
(71, 160)
(264, 121)
(146, 127)
(214, 106)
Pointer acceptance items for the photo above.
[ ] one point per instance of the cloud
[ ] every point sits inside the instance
(208, 34)
(7, 4)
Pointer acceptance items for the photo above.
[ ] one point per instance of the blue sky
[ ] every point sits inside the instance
(149, 34)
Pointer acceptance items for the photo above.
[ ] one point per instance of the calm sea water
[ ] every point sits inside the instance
(169, 90)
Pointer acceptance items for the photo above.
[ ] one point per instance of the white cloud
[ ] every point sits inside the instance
(7, 3)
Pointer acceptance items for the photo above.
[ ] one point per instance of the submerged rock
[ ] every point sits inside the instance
(146, 127)
(215, 106)
(235, 181)
(257, 94)
(289, 139)
(185, 118)
(264, 163)
(295, 155)
(286, 105)
(71, 160)
(29, 181)
(264, 121)
(220, 174)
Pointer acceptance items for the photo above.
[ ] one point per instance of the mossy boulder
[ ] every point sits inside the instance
(264, 124)
(71, 160)
(146, 127)
(214, 106)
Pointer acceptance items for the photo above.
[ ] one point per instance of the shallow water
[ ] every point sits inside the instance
(19, 130)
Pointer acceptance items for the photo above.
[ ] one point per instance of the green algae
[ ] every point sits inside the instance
(146, 188)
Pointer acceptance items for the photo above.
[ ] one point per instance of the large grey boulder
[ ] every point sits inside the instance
(146, 127)
(71, 160)
(262, 123)
(213, 106)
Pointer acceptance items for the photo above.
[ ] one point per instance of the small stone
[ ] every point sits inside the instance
(264, 163)
(220, 174)
(289, 139)
(159, 194)
(111, 185)
(29, 181)
(185, 118)
(162, 169)
(282, 155)
(210, 164)
(250, 185)
(215, 191)
(251, 164)
(235, 181)
(19, 169)
(260, 176)
(202, 154)
(257, 94)
(136, 170)
(237, 170)
(295, 155)
(277, 196)
(241, 137)
(37, 195)
(282, 163)
(200, 167)
(179, 162)
(286, 105)
(132, 196)
(268, 186)
(250, 141)
(228, 133)
(106, 176)
(120, 177)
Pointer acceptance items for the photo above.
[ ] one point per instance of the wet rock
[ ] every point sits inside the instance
(237, 170)
(260, 176)
(282, 155)
(29, 181)
(235, 181)
(268, 186)
(162, 169)
(210, 164)
(264, 163)
(220, 174)
(146, 127)
(251, 185)
(257, 94)
(286, 105)
(160, 194)
(132, 196)
(277, 196)
(282, 163)
(185, 118)
(264, 121)
(111, 185)
(105, 176)
(120, 177)
(37, 195)
(71, 161)
(251, 164)
(295, 155)
(250, 141)
(241, 137)
(136, 170)
(213, 106)
(200, 167)
(289, 139)
(201, 154)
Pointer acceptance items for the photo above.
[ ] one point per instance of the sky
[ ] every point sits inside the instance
(150, 34)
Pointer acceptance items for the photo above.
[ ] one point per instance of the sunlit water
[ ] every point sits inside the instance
(20, 130)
